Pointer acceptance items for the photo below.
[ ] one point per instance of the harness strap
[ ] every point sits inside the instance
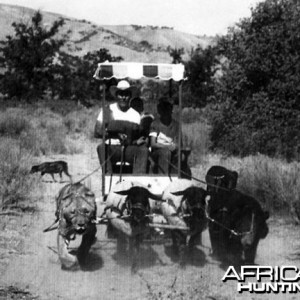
(52, 227)
(199, 180)
(231, 230)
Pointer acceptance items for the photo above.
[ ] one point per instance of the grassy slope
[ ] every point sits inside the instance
(122, 40)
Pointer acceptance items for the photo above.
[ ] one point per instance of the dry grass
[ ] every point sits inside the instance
(273, 182)
(44, 132)
(15, 184)
(196, 136)
(81, 122)
(12, 124)
(26, 133)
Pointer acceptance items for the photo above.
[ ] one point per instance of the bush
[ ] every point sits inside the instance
(12, 124)
(273, 182)
(257, 96)
(81, 121)
(196, 136)
(41, 131)
(15, 184)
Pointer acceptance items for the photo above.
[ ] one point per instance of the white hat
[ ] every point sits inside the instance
(123, 85)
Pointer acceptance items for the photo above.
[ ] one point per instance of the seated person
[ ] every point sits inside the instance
(122, 126)
(164, 141)
(146, 119)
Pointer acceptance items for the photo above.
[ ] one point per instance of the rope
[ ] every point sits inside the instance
(100, 220)
(101, 166)
(199, 180)
(213, 220)
(227, 228)
(220, 224)
(52, 227)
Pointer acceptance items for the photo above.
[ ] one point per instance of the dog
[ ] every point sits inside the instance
(55, 167)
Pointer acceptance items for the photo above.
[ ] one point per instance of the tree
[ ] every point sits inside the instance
(201, 69)
(257, 103)
(76, 74)
(28, 57)
(176, 54)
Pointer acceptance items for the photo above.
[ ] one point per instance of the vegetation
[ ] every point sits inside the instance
(176, 54)
(273, 182)
(245, 89)
(256, 106)
(146, 45)
(15, 186)
(29, 132)
(35, 66)
(28, 58)
(201, 70)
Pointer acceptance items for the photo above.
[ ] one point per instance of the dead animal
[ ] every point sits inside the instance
(55, 167)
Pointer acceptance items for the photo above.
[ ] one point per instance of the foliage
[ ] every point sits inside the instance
(13, 125)
(87, 69)
(195, 135)
(146, 45)
(35, 67)
(176, 54)
(15, 184)
(81, 122)
(201, 69)
(75, 80)
(28, 58)
(39, 131)
(273, 182)
(257, 105)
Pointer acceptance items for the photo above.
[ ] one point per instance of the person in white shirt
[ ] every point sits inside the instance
(121, 123)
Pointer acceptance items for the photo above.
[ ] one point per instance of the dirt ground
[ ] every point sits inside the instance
(30, 269)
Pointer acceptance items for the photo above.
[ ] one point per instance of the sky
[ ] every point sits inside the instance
(198, 17)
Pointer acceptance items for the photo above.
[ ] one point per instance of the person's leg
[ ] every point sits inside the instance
(141, 160)
(100, 153)
(112, 151)
(174, 162)
(162, 158)
(138, 157)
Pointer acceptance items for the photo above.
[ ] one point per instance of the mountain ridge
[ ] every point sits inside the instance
(149, 44)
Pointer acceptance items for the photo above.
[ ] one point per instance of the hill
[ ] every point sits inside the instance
(132, 42)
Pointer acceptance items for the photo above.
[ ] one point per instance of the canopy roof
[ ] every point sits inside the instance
(134, 70)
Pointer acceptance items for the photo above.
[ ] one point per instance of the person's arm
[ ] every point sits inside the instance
(156, 145)
(98, 130)
(100, 122)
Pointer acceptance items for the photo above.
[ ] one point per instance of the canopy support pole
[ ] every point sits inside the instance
(180, 129)
(103, 140)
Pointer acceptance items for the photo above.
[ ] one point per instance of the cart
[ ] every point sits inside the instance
(156, 183)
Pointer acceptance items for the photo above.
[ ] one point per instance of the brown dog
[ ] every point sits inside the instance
(55, 167)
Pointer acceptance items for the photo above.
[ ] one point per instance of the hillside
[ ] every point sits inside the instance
(132, 42)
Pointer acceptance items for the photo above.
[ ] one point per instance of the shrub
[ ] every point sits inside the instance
(15, 184)
(81, 121)
(12, 124)
(56, 141)
(196, 136)
(257, 97)
(273, 182)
